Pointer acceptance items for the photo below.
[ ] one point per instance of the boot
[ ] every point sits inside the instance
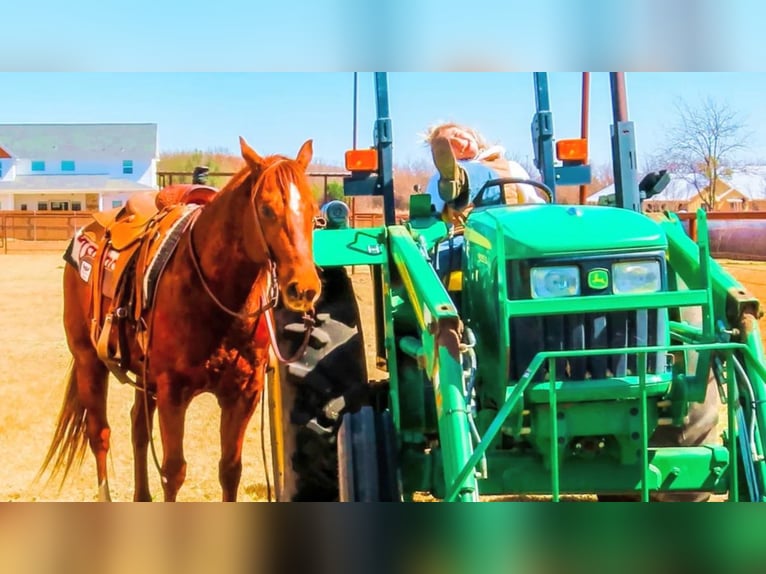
(452, 177)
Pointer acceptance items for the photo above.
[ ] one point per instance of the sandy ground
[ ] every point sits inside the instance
(34, 361)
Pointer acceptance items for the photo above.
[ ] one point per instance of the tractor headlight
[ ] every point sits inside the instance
(637, 277)
(554, 282)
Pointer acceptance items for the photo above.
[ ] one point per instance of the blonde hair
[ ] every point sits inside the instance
(436, 129)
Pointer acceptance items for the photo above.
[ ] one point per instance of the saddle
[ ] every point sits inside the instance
(131, 240)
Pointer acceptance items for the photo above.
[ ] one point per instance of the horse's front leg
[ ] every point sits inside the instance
(172, 402)
(142, 416)
(236, 412)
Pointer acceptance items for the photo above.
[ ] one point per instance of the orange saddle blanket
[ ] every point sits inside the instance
(122, 253)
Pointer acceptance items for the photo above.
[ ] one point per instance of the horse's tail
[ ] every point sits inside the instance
(69, 440)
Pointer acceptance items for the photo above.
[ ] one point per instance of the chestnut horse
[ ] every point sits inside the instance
(206, 327)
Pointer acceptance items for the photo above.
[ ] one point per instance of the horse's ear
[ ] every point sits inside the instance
(253, 160)
(305, 154)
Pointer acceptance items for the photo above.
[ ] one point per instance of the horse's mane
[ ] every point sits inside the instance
(285, 170)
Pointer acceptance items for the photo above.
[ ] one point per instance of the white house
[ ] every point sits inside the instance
(60, 167)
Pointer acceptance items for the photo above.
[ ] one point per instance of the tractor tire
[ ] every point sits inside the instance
(309, 397)
(367, 469)
(700, 427)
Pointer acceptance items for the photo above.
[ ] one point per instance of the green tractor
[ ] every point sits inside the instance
(573, 349)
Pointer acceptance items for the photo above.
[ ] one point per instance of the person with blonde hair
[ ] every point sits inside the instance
(465, 162)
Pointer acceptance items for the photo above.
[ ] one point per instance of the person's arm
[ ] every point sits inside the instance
(528, 193)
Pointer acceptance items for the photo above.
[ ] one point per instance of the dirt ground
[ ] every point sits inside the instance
(34, 361)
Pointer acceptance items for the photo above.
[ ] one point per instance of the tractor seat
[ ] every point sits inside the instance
(448, 263)
(455, 281)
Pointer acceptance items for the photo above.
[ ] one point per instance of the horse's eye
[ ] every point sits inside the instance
(268, 212)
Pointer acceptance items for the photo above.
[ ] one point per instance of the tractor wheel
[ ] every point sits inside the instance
(700, 426)
(309, 397)
(367, 458)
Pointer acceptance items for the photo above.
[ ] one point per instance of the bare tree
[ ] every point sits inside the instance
(602, 175)
(527, 162)
(702, 143)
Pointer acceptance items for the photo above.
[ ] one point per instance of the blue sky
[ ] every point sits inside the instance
(327, 35)
(276, 112)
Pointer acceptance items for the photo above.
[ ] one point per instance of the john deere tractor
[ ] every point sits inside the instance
(571, 349)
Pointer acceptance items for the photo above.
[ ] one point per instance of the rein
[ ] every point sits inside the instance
(273, 286)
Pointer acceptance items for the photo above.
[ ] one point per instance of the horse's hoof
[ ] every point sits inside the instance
(103, 492)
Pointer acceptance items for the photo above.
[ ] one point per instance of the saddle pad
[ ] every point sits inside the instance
(80, 254)
(162, 255)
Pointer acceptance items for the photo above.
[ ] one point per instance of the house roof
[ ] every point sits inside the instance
(678, 189)
(79, 141)
(749, 181)
(70, 183)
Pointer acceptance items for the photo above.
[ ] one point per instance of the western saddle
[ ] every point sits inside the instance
(134, 242)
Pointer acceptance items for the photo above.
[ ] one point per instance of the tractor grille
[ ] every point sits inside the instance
(587, 331)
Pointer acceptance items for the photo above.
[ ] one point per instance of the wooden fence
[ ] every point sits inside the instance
(40, 231)
(34, 230)
(743, 232)
(44, 230)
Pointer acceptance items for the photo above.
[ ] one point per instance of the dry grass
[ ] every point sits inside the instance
(34, 362)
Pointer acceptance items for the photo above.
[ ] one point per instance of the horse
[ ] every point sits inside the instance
(250, 245)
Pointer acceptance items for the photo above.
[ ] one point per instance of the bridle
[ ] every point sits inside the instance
(271, 298)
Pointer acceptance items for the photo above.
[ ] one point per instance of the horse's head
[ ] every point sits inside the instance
(285, 210)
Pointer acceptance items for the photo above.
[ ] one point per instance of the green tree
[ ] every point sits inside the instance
(335, 191)
(318, 192)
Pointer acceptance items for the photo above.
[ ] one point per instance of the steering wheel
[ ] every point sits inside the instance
(483, 198)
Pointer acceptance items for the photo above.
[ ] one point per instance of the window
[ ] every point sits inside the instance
(116, 203)
(23, 207)
(67, 165)
(76, 206)
(59, 205)
(38, 166)
(42, 206)
(127, 166)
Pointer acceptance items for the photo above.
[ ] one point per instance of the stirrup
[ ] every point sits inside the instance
(102, 344)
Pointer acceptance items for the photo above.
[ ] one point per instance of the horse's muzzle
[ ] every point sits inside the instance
(300, 296)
